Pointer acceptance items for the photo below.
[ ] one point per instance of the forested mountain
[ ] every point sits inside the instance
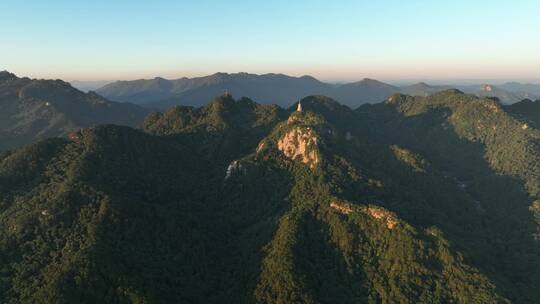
(414, 200)
(423, 89)
(282, 90)
(526, 110)
(32, 109)
(364, 91)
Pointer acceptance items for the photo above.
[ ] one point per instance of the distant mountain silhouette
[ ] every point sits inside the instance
(423, 89)
(521, 87)
(280, 89)
(32, 109)
(269, 88)
(367, 90)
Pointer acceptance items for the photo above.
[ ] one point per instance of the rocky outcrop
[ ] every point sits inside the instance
(536, 206)
(341, 208)
(261, 146)
(233, 167)
(486, 88)
(382, 215)
(300, 143)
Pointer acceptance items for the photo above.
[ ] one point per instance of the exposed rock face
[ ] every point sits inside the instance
(300, 143)
(234, 166)
(75, 136)
(341, 207)
(380, 214)
(486, 88)
(261, 146)
(383, 215)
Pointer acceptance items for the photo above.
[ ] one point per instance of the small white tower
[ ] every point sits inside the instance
(299, 107)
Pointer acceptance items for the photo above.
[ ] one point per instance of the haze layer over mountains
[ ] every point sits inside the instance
(282, 90)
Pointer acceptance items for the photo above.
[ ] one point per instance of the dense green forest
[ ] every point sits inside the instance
(414, 200)
(35, 109)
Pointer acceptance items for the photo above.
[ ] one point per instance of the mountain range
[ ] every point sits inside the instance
(417, 199)
(283, 90)
(32, 109)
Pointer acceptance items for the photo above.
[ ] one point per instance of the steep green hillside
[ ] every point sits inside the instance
(492, 158)
(417, 200)
(526, 110)
(32, 109)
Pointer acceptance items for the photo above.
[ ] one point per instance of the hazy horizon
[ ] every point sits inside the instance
(398, 82)
(402, 81)
(389, 40)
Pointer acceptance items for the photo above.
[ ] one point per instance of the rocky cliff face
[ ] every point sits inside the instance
(302, 144)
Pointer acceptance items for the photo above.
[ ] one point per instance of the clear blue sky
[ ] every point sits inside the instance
(332, 40)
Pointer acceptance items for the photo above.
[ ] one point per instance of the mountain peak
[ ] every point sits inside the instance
(224, 100)
(450, 91)
(220, 75)
(320, 104)
(308, 77)
(332, 111)
(319, 100)
(5, 75)
(372, 84)
(395, 99)
(370, 81)
(422, 84)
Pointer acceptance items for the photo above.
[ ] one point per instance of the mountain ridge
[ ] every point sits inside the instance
(248, 203)
(33, 109)
(276, 88)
